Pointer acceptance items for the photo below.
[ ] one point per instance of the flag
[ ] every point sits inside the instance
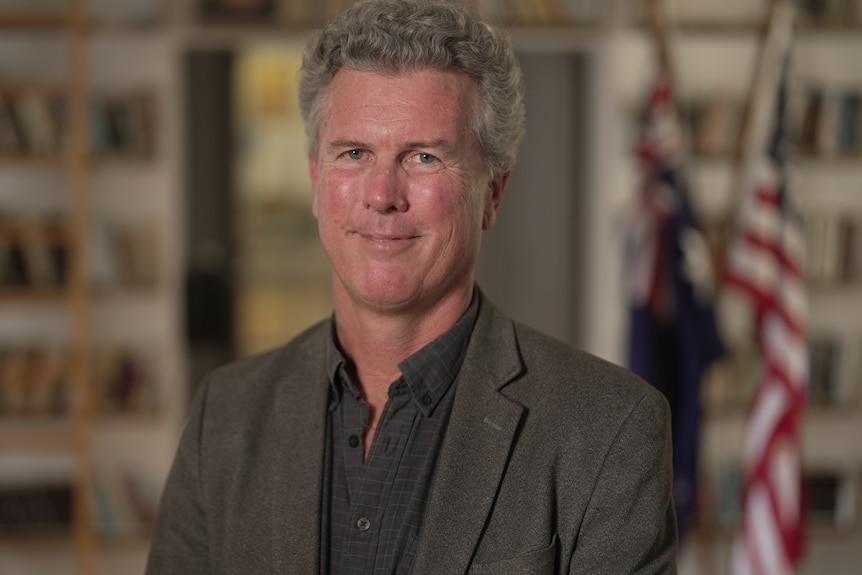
(673, 335)
(764, 266)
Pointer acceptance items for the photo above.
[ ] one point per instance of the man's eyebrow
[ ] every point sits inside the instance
(439, 143)
(346, 144)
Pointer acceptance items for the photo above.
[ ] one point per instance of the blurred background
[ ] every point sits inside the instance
(155, 222)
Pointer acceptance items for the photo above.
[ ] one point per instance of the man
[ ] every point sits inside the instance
(418, 430)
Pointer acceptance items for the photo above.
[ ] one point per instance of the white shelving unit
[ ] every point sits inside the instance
(122, 55)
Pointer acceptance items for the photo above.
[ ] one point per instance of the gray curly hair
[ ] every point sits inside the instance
(398, 36)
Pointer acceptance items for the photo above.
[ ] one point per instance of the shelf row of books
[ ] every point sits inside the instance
(98, 12)
(826, 122)
(831, 499)
(314, 13)
(541, 12)
(36, 509)
(831, 122)
(833, 249)
(34, 254)
(33, 124)
(731, 381)
(832, 13)
(34, 381)
(123, 504)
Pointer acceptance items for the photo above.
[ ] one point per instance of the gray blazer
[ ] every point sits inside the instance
(554, 461)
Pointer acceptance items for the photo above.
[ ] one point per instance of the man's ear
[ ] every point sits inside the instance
(495, 195)
(312, 172)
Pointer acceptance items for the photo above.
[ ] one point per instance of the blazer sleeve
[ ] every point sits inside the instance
(630, 524)
(180, 544)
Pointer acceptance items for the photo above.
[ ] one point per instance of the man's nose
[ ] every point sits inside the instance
(386, 190)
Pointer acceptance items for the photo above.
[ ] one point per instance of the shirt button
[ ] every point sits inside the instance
(363, 524)
(426, 400)
(353, 440)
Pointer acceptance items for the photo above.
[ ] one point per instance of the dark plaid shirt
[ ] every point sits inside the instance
(373, 510)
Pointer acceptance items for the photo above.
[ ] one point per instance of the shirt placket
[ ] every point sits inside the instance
(369, 484)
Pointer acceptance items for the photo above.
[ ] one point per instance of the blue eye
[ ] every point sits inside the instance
(355, 154)
(426, 158)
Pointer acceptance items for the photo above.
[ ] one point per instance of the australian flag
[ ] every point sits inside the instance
(673, 333)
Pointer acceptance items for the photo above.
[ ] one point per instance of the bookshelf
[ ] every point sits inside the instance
(51, 256)
(91, 399)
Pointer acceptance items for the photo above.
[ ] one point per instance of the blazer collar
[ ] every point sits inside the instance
(303, 396)
(476, 448)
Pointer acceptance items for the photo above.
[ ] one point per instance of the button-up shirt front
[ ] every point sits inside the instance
(373, 509)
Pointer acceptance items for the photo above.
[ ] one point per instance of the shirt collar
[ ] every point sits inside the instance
(427, 373)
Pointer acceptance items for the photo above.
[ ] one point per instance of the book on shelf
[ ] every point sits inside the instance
(138, 249)
(830, 122)
(34, 381)
(122, 124)
(828, 382)
(33, 254)
(714, 124)
(124, 502)
(833, 250)
(39, 116)
(830, 13)
(123, 256)
(31, 122)
(42, 271)
(831, 498)
(543, 12)
(848, 140)
(239, 10)
(35, 508)
(12, 139)
(123, 382)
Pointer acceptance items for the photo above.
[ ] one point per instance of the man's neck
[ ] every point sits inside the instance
(376, 341)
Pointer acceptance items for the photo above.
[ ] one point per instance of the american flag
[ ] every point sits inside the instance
(764, 265)
(673, 335)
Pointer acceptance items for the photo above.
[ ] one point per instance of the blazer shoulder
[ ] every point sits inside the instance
(573, 377)
(245, 379)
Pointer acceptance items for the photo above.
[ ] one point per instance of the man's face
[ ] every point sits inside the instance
(401, 191)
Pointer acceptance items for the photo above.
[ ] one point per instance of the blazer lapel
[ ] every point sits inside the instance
(303, 397)
(476, 449)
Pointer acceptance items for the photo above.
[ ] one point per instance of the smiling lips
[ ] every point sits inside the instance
(387, 244)
(380, 239)
(386, 238)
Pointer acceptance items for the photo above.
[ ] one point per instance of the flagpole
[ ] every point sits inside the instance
(774, 39)
(659, 28)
